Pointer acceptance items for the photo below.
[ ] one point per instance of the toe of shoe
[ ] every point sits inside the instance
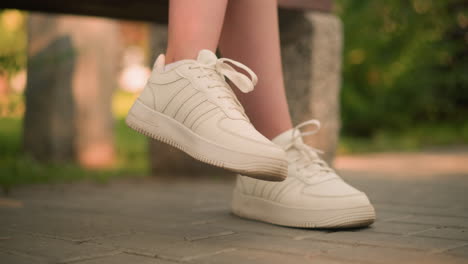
(338, 202)
(240, 134)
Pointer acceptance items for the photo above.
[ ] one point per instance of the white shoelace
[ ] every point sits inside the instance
(308, 158)
(224, 70)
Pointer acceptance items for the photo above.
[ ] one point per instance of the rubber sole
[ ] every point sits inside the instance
(256, 208)
(170, 131)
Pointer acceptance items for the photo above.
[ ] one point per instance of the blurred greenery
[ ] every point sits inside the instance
(12, 41)
(405, 71)
(405, 87)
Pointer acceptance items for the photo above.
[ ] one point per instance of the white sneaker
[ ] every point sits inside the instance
(189, 105)
(312, 196)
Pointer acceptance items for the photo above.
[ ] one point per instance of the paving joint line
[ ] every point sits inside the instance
(68, 239)
(42, 235)
(241, 231)
(150, 255)
(445, 238)
(283, 252)
(222, 251)
(418, 232)
(204, 222)
(345, 259)
(422, 214)
(442, 250)
(392, 219)
(19, 253)
(90, 257)
(441, 226)
(195, 238)
(356, 244)
(377, 203)
(90, 239)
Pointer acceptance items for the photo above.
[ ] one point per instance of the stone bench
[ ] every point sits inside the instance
(62, 121)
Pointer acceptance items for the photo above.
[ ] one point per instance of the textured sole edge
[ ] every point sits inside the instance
(270, 171)
(255, 208)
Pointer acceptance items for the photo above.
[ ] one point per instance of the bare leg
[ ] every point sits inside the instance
(250, 35)
(194, 25)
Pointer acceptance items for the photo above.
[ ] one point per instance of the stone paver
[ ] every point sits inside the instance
(19, 258)
(420, 219)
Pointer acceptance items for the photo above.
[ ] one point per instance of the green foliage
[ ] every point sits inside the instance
(12, 41)
(415, 138)
(17, 168)
(405, 65)
(132, 149)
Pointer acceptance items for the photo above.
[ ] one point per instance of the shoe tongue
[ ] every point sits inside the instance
(286, 138)
(207, 57)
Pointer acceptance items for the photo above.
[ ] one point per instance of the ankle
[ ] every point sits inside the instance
(173, 55)
(177, 55)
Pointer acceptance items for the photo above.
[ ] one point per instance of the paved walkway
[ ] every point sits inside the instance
(420, 219)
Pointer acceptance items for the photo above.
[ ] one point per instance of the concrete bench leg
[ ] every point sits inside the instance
(72, 69)
(312, 51)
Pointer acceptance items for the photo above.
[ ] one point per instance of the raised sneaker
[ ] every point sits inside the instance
(312, 196)
(189, 105)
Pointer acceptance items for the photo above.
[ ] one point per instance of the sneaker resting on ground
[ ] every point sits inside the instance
(189, 105)
(312, 196)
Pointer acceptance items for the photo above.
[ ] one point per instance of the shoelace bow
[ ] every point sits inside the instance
(241, 81)
(308, 157)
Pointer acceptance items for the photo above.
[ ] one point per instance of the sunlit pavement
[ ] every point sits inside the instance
(421, 202)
